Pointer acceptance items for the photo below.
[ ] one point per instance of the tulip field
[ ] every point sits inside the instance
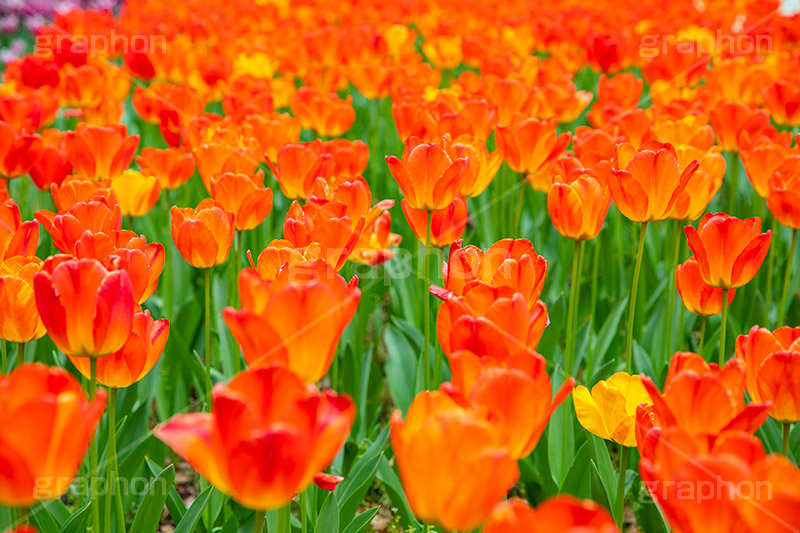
(302, 266)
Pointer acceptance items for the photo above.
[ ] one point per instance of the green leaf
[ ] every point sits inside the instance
(358, 483)
(577, 482)
(602, 460)
(362, 521)
(77, 522)
(400, 368)
(175, 504)
(192, 517)
(605, 337)
(148, 514)
(328, 521)
(43, 520)
(395, 490)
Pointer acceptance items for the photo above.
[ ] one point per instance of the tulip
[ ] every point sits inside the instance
(219, 157)
(490, 321)
(267, 436)
(96, 216)
(559, 514)
(273, 131)
(771, 360)
(447, 225)
(47, 423)
(529, 145)
(77, 190)
(764, 159)
(100, 152)
(782, 99)
(483, 165)
(350, 158)
(297, 166)
(18, 152)
(514, 395)
(698, 297)
(17, 238)
(578, 208)
(53, 165)
(171, 166)
(444, 51)
(326, 224)
(203, 235)
(295, 319)
(511, 263)
(19, 319)
(374, 247)
(244, 196)
(137, 193)
(729, 253)
(702, 186)
(432, 446)
(323, 113)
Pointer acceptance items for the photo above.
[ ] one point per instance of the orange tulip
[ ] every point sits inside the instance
(510, 263)
(483, 166)
(53, 165)
(490, 320)
(280, 254)
(702, 399)
(615, 95)
(578, 208)
(529, 145)
(649, 182)
(124, 250)
(444, 51)
(100, 152)
(244, 196)
(702, 186)
(559, 514)
(298, 165)
(267, 436)
(324, 113)
(273, 131)
(18, 152)
(215, 158)
(95, 216)
(783, 101)
(729, 251)
(86, 309)
(135, 359)
(697, 296)
(204, 235)
(432, 446)
(16, 237)
(447, 225)
(515, 395)
(295, 319)
(171, 166)
(19, 318)
(137, 192)
(772, 360)
(737, 125)
(350, 158)
(47, 423)
(429, 179)
(783, 200)
(76, 190)
(326, 224)
(374, 246)
(764, 159)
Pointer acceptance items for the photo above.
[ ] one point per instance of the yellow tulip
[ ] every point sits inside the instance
(610, 410)
(136, 192)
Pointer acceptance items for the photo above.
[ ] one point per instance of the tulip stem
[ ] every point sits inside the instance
(671, 297)
(112, 469)
(20, 353)
(773, 249)
(437, 351)
(733, 182)
(520, 201)
(207, 274)
(571, 311)
(3, 357)
(285, 519)
(623, 470)
(425, 296)
(93, 451)
(723, 327)
(304, 511)
(787, 277)
(702, 335)
(258, 521)
(595, 264)
(168, 263)
(23, 516)
(634, 292)
(787, 429)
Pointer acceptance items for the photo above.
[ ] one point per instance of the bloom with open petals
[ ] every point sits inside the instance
(204, 235)
(19, 318)
(609, 411)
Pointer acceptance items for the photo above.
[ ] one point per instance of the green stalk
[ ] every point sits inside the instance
(671, 298)
(773, 250)
(634, 292)
(168, 263)
(520, 201)
(426, 355)
(304, 511)
(93, 452)
(285, 519)
(723, 327)
(702, 336)
(623, 469)
(207, 274)
(20, 353)
(571, 312)
(3, 357)
(237, 298)
(258, 521)
(787, 429)
(595, 270)
(112, 469)
(733, 182)
(438, 354)
(617, 223)
(130, 223)
(787, 277)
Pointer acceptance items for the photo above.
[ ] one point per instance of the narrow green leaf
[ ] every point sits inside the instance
(328, 521)
(362, 521)
(148, 514)
(192, 517)
(175, 504)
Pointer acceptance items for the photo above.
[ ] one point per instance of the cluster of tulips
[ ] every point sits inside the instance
(247, 110)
